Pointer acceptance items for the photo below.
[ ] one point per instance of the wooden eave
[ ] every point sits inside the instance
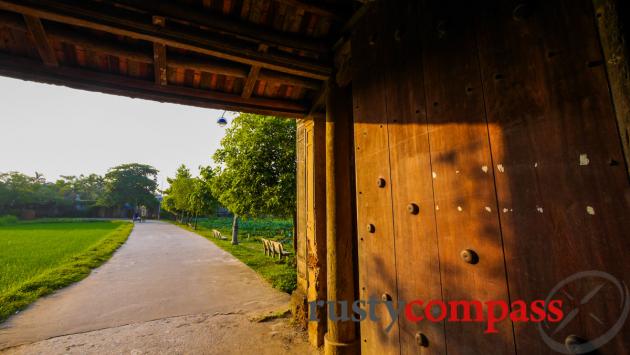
(265, 56)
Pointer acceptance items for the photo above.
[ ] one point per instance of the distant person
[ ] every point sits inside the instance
(135, 217)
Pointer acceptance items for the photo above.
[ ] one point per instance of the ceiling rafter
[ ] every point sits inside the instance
(28, 69)
(101, 45)
(237, 28)
(122, 23)
(36, 29)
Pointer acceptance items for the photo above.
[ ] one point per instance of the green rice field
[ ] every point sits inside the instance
(37, 258)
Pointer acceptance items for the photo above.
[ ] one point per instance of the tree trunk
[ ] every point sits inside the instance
(235, 230)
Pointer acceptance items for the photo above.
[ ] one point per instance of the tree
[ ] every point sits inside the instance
(85, 188)
(202, 200)
(177, 199)
(189, 197)
(256, 171)
(130, 185)
(21, 192)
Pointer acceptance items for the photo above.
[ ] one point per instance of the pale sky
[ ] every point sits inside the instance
(56, 130)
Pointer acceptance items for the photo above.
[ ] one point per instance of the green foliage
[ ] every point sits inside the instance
(188, 195)
(281, 229)
(8, 220)
(83, 188)
(19, 192)
(39, 258)
(281, 274)
(202, 200)
(256, 172)
(130, 185)
(178, 193)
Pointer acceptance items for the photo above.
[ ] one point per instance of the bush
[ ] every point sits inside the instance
(285, 281)
(8, 220)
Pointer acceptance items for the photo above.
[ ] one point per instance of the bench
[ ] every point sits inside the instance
(273, 248)
(218, 235)
(266, 247)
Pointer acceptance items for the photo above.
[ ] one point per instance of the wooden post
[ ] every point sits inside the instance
(614, 34)
(341, 335)
(315, 223)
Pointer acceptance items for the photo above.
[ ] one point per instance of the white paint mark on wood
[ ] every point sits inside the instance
(456, 171)
(500, 168)
(484, 168)
(535, 164)
(459, 208)
(584, 159)
(488, 209)
(437, 208)
(590, 210)
(539, 209)
(505, 210)
(434, 174)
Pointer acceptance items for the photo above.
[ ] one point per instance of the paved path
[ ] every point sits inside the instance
(161, 274)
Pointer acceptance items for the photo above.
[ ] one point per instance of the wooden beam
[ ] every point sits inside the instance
(27, 69)
(347, 27)
(45, 50)
(288, 79)
(159, 63)
(252, 77)
(100, 45)
(159, 55)
(101, 17)
(319, 10)
(319, 103)
(224, 25)
(248, 88)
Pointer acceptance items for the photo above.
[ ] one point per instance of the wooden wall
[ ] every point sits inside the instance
(486, 126)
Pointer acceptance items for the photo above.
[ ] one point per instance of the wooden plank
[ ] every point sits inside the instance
(465, 201)
(251, 81)
(36, 29)
(377, 265)
(417, 257)
(89, 80)
(548, 104)
(105, 18)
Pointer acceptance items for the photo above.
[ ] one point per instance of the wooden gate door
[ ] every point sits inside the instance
(488, 167)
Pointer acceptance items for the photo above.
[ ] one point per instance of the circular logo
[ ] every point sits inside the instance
(607, 335)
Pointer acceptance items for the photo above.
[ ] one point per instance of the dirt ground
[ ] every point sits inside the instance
(194, 334)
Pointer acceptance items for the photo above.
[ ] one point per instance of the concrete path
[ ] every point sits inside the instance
(162, 274)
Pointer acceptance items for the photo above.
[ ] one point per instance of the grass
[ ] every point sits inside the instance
(37, 258)
(280, 274)
(8, 220)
